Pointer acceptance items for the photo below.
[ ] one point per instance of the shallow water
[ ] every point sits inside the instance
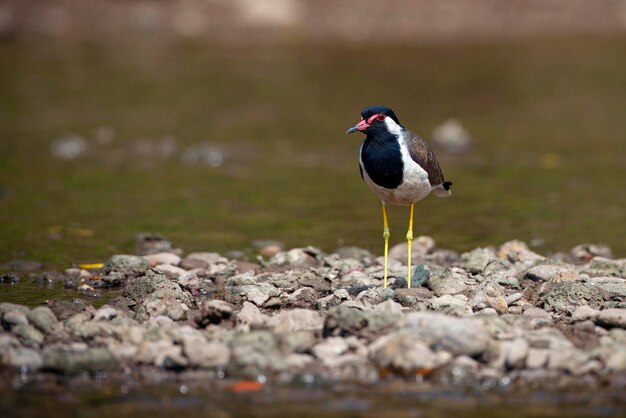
(548, 160)
(390, 399)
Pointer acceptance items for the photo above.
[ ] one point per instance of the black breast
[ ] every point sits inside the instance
(382, 160)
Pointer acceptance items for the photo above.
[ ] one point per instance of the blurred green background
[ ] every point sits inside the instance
(217, 144)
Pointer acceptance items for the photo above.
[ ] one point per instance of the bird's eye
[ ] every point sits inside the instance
(380, 117)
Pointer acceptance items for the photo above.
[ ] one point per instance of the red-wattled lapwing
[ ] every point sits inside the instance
(398, 166)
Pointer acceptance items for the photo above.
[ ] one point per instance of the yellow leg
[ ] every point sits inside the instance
(409, 239)
(386, 235)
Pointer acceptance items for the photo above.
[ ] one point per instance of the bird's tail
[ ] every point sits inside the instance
(443, 190)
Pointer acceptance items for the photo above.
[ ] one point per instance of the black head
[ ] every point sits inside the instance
(373, 119)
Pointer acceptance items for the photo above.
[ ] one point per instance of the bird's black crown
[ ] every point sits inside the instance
(372, 110)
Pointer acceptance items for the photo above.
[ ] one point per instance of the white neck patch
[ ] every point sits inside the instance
(393, 127)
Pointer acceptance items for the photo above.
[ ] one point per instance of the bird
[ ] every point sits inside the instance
(399, 167)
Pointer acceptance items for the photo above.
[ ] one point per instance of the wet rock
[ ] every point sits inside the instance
(585, 252)
(615, 287)
(565, 297)
(612, 318)
(457, 335)
(24, 358)
(151, 243)
(214, 312)
(344, 321)
(49, 278)
(336, 298)
(22, 265)
(129, 265)
(491, 294)
(254, 354)
(476, 260)
(251, 316)
(64, 309)
(154, 294)
(296, 320)
(9, 278)
(43, 319)
(547, 272)
(602, 267)
(375, 295)
(404, 352)
(162, 258)
(28, 335)
(451, 282)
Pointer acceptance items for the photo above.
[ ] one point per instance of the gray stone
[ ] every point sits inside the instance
(162, 353)
(162, 258)
(518, 252)
(613, 286)
(14, 317)
(516, 352)
(412, 297)
(421, 274)
(64, 309)
(585, 252)
(537, 313)
(202, 260)
(334, 299)
(254, 354)
(105, 313)
(537, 358)
(129, 265)
(257, 293)
(565, 297)
(296, 320)
(612, 318)
(502, 273)
(172, 272)
(296, 257)
(329, 348)
(154, 294)
(546, 272)
(113, 279)
(420, 246)
(214, 312)
(457, 335)
(451, 282)
(72, 361)
(251, 316)
(28, 335)
(375, 295)
(476, 260)
(602, 267)
(491, 294)
(404, 352)
(344, 320)
(571, 360)
(511, 299)
(299, 341)
(584, 312)
(24, 358)
(7, 307)
(203, 353)
(446, 301)
(43, 318)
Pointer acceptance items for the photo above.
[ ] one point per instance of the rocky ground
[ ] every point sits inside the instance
(490, 315)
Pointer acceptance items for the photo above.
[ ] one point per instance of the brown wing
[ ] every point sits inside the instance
(424, 156)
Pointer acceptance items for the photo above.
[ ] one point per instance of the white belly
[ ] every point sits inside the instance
(414, 187)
